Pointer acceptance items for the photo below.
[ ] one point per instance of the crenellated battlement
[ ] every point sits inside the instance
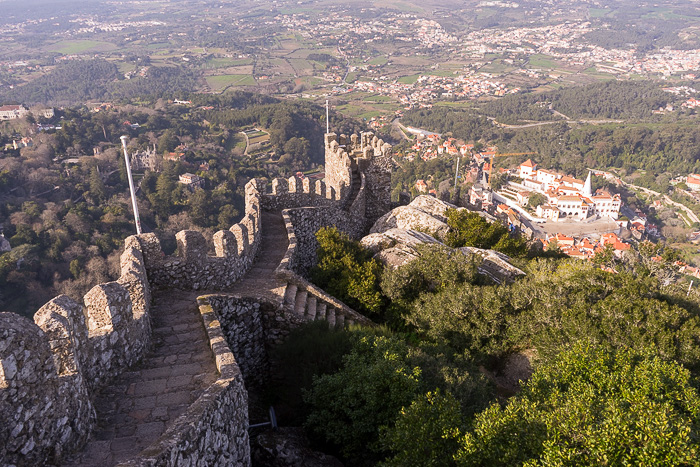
(364, 154)
(51, 369)
(192, 267)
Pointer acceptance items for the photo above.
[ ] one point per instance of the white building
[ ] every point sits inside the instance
(11, 112)
(573, 198)
(527, 169)
(547, 211)
(191, 180)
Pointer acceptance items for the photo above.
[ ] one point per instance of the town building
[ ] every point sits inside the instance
(573, 198)
(192, 181)
(11, 112)
(693, 182)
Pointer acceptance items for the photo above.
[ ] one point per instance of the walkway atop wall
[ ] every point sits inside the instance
(137, 407)
(260, 280)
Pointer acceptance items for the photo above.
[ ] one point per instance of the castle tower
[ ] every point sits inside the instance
(347, 158)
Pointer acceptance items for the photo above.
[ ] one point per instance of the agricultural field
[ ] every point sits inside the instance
(80, 46)
(219, 83)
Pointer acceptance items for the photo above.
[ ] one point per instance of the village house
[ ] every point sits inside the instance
(192, 181)
(480, 196)
(547, 211)
(693, 182)
(11, 112)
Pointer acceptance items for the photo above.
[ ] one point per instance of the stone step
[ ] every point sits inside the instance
(321, 310)
(290, 294)
(300, 302)
(339, 320)
(311, 308)
(330, 317)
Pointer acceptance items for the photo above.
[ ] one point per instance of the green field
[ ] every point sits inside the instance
(378, 61)
(77, 47)
(259, 139)
(158, 45)
(542, 61)
(496, 66)
(441, 73)
(219, 62)
(221, 82)
(379, 99)
(598, 12)
(409, 79)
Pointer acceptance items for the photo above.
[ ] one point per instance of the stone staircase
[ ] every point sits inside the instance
(137, 408)
(311, 307)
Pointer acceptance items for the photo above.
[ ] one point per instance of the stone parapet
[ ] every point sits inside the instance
(297, 255)
(294, 193)
(49, 369)
(192, 267)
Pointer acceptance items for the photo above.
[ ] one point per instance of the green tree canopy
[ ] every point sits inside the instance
(592, 406)
(347, 271)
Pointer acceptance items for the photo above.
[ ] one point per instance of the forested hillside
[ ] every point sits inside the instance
(64, 199)
(608, 361)
(605, 100)
(84, 80)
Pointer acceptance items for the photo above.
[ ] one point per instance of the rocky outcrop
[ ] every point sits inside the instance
(408, 217)
(396, 247)
(396, 237)
(494, 264)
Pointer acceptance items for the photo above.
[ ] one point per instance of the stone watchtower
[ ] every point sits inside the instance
(350, 160)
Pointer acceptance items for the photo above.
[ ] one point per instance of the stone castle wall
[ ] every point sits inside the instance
(307, 221)
(338, 166)
(378, 173)
(49, 369)
(192, 267)
(295, 192)
(287, 270)
(214, 430)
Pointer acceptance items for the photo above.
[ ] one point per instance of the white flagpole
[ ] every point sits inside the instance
(131, 186)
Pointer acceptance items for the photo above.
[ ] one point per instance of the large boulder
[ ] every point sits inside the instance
(409, 218)
(396, 247)
(424, 213)
(288, 447)
(495, 264)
